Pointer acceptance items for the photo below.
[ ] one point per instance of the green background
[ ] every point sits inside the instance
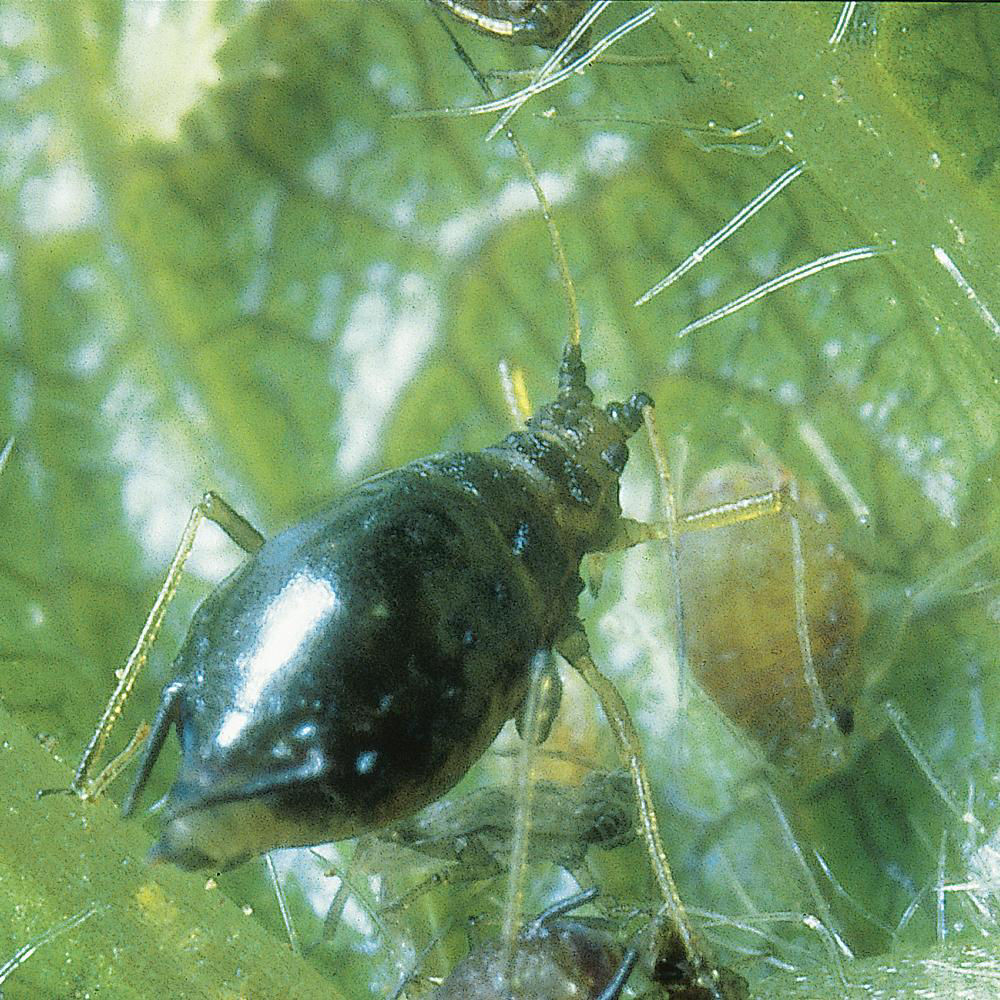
(226, 263)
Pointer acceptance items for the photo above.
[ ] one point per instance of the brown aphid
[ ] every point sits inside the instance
(738, 586)
(524, 22)
(553, 958)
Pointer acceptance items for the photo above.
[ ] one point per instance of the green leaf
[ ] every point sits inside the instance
(226, 264)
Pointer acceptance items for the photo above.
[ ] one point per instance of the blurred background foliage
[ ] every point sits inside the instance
(226, 263)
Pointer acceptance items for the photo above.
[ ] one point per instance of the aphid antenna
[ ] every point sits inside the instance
(555, 239)
(575, 647)
(523, 797)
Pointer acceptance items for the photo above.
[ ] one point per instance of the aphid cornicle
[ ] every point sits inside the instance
(353, 669)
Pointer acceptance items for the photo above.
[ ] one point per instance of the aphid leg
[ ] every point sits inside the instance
(575, 648)
(560, 909)
(166, 714)
(670, 503)
(473, 864)
(85, 783)
(767, 504)
(534, 721)
(614, 988)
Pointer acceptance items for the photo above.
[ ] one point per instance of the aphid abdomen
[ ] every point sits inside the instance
(362, 661)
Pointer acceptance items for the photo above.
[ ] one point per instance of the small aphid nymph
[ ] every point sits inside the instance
(749, 660)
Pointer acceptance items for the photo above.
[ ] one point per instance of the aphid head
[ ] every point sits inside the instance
(596, 437)
(586, 467)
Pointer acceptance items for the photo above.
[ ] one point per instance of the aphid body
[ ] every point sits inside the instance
(566, 821)
(749, 659)
(553, 958)
(359, 662)
(524, 22)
